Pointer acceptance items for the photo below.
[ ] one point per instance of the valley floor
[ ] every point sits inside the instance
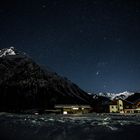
(69, 127)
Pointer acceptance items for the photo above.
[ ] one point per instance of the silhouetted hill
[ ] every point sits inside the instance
(134, 97)
(25, 85)
(100, 103)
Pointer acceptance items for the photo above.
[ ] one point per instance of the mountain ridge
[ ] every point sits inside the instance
(24, 84)
(112, 96)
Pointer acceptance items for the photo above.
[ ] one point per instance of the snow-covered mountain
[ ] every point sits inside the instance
(26, 85)
(7, 51)
(112, 96)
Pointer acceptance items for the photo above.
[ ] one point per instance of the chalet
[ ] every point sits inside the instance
(137, 103)
(129, 107)
(124, 106)
(116, 106)
(73, 109)
(137, 106)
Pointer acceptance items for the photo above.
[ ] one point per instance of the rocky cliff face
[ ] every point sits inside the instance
(25, 85)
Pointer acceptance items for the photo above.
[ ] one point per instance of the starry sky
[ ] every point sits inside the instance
(94, 43)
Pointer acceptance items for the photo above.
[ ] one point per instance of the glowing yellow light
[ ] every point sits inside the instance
(75, 108)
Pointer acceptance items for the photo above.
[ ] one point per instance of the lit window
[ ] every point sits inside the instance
(75, 108)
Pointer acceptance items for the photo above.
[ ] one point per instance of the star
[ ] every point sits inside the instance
(97, 73)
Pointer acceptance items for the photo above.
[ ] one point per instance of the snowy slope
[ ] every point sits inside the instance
(32, 86)
(112, 96)
(7, 51)
(122, 95)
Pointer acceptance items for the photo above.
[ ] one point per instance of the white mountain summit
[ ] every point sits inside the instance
(122, 95)
(7, 51)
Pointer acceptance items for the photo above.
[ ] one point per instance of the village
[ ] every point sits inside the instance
(115, 106)
(124, 106)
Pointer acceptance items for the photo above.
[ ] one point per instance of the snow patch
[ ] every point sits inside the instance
(113, 128)
(112, 96)
(9, 51)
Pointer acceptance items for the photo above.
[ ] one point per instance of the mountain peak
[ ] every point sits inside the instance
(32, 86)
(7, 51)
(113, 96)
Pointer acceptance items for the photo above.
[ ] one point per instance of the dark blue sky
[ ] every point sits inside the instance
(94, 43)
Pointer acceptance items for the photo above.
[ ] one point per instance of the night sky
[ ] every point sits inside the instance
(94, 43)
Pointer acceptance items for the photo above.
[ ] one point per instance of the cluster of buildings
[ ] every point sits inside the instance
(73, 109)
(124, 106)
(115, 106)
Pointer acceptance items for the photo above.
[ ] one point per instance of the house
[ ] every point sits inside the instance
(73, 109)
(129, 107)
(137, 106)
(137, 103)
(132, 107)
(116, 106)
(124, 106)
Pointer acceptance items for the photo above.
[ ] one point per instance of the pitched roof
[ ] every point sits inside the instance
(114, 102)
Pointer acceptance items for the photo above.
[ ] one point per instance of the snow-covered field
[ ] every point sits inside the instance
(70, 127)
